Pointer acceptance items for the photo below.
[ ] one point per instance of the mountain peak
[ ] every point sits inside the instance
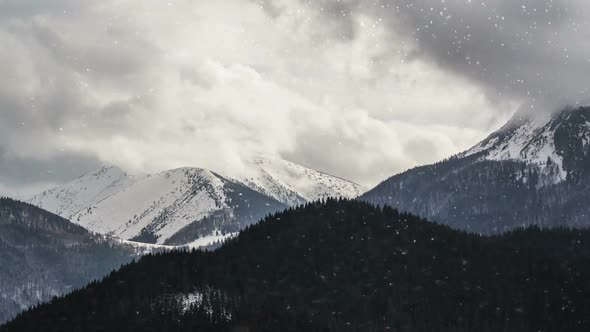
(105, 170)
(535, 170)
(78, 194)
(540, 139)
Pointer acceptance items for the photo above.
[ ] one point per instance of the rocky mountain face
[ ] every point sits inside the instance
(43, 255)
(534, 170)
(188, 204)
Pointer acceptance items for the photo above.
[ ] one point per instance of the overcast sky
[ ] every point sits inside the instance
(360, 89)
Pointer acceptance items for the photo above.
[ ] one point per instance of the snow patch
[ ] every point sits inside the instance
(206, 241)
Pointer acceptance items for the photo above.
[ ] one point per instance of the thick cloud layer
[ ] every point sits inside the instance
(360, 89)
(531, 50)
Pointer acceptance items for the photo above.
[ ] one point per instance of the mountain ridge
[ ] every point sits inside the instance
(530, 172)
(197, 202)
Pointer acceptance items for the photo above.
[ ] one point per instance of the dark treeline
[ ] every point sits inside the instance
(342, 266)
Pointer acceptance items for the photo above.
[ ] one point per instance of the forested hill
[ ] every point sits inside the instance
(342, 266)
(43, 255)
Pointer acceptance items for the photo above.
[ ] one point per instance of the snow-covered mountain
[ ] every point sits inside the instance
(182, 205)
(534, 170)
(151, 208)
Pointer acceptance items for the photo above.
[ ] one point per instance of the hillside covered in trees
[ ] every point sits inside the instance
(342, 265)
(43, 255)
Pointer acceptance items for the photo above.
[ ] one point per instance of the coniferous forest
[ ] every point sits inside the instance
(342, 265)
(43, 255)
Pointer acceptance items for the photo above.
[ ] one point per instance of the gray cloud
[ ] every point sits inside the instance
(528, 49)
(420, 149)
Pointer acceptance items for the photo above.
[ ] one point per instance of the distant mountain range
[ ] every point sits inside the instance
(534, 170)
(183, 205)
(43, 255)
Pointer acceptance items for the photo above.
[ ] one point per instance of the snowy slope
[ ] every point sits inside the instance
(139, 205)
(530, 139)
(84, 191)
(160, 205)
(294, 184)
